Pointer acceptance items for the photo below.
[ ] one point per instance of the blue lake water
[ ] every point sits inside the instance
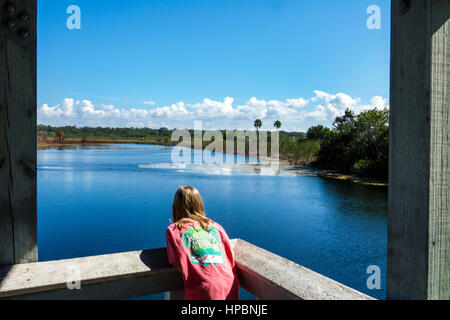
(104, 199)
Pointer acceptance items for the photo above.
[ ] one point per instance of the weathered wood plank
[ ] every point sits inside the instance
(271, 277)
(139, 273)
(176, 295)
(114, 276)
(18, 221)
(418, 246)
(439, 223)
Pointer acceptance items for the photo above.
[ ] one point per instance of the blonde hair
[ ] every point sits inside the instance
(188, 207)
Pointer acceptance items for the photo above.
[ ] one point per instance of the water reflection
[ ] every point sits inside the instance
(261, 169)
(104, 199)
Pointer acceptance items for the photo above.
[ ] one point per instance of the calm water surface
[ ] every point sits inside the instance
(104, 199)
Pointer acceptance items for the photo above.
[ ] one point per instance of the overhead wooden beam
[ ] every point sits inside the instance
(419, 193)
(18, 235)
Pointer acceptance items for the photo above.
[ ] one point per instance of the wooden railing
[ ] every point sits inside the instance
(141, 273)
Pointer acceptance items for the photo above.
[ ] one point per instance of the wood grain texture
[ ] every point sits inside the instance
(418, 241)
(271, 277)
(111, 276)
(439, 229)
(18, 220)
(138, 273)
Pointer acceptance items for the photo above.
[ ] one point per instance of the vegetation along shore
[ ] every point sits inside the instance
(355, 147)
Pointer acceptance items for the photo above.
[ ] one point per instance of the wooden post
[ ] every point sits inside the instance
(18, 235)
(419, 193)
(177, 295)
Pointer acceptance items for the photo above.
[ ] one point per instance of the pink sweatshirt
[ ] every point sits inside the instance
(206, 261)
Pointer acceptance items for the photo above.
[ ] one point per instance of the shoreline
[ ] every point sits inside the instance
(286, 164)
(77, 142)
(327, 174)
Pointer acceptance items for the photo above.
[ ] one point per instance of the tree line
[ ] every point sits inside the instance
(354, 143)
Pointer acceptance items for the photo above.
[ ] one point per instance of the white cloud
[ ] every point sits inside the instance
(66, 109)
(331, 106)
(295, 114)
(379, 102)
(150, 103)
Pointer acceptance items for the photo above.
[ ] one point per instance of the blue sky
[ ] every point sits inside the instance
(168, 63)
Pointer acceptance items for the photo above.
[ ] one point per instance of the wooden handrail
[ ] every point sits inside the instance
(271, 277)
(141, 273)
(112, 276)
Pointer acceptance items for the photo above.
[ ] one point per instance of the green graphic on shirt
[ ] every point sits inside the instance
(204, 246)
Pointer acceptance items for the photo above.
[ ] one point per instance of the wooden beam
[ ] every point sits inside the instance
(271, 277)
(139, 273)
(418, 245)
(18, 235)
(113, 276)
(176, 295)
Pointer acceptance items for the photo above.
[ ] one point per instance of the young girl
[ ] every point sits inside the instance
(200, 249)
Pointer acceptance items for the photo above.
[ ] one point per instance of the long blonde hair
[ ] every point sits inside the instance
(187, 207)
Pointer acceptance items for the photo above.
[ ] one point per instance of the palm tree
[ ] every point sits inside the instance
(257, 124)
(277, 124)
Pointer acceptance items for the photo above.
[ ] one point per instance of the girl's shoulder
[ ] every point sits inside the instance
(172, 228)
(176, 226)
(217, 225)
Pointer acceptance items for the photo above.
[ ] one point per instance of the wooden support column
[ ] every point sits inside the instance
(177, 295)
(18, 218)
(419, 193)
